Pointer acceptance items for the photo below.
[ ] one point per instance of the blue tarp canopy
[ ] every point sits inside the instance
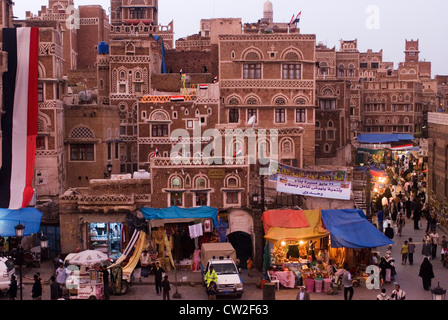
(349, 228)
(29, 217)
(181, 213)
(384, 137)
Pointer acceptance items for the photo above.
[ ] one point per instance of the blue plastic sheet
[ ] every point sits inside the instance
(349, 228)
(181, 213)
(384, 137)
(29, 217)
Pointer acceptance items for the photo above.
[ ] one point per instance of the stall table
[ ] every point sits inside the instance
(286, 278)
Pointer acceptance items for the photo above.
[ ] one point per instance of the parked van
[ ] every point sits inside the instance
(7, 269)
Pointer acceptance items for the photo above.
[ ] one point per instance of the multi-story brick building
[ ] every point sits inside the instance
(438, 165)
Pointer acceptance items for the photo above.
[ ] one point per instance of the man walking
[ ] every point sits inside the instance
(158, 271)
(411, 250)
(348, 284)
(105, 273)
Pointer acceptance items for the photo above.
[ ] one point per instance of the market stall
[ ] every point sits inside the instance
(297, 247)
(352, 237)
(177, 233)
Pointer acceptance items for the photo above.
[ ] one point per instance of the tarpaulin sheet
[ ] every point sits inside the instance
(383, 137)
(181, 213)
(284, 218)
(29, 217)
(313, 231)
(349, 228)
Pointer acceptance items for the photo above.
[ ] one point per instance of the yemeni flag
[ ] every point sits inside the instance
(20, 118)
(299, 15)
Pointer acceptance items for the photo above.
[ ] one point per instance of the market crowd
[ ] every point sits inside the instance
(404, 199)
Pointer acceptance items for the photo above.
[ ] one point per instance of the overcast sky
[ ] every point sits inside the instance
(377, 24)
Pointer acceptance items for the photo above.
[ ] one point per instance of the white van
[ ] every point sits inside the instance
(7, 269)
(222, 256)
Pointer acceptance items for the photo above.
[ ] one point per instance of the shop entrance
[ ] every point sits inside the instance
(106, 237)
(242, 242)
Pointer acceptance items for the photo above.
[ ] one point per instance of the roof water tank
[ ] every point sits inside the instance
(103, 48)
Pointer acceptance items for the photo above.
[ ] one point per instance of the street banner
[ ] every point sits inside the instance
(314, 188)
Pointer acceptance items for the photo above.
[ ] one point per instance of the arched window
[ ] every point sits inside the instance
(176, 183)
(81, 132)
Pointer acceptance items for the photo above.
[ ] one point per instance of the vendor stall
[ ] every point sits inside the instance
(176, 233)
(297, 246)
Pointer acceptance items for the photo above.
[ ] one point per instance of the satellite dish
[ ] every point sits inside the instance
(85, 96)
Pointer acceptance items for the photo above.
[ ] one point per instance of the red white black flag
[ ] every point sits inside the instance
(20, 119)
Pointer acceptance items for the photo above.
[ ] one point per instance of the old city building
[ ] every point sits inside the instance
(438, 164)
(109, 112)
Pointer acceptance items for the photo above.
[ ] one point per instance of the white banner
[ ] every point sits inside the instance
(314, 188)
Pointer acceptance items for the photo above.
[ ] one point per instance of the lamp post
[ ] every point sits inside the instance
(438, 293)
(20, 231)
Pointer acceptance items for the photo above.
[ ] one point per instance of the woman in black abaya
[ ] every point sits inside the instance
(426, 273)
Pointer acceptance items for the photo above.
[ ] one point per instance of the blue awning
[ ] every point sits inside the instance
(384, 137)
(349, 228)
(29, 217)
(181, 213)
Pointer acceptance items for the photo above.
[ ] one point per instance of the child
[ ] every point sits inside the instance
(250, 265)
(166, 288)
(404, 253)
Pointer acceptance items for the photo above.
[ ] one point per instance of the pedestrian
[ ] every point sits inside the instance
(36, 291)
(389, 232)
(166, 288)
(426, 248)
(303, 294)
(426, 273)
(380, 217)
(57, 262)
(375, 259)
(398, 293)
(348, 284)
(383, 295)
(211, 290)
(411, 251)
(401, 222)
(13, 288)
(106, 288)
(158, 272)
(444, 245)
(210, 276)
(404, 253)
(407, 206)
(61, 275)
(390, 267)
(55, 289)
(145, 259)
(250, 266)
(434, 236)
(383, 265)
(416, 212)
(431, 222)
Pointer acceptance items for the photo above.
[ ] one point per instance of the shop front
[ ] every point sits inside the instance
(107, 234)
(176, 234)
(107, 238)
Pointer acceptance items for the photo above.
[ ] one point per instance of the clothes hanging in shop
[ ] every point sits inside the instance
(196, 230)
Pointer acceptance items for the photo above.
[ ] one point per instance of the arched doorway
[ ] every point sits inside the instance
(240, 235)
(242, 242)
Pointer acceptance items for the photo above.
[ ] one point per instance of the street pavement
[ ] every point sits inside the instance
(190, 287)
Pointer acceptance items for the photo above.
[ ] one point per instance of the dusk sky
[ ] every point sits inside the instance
(377, 24)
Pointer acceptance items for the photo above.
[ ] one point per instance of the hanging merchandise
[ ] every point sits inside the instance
(196, 230)
(168, 250)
